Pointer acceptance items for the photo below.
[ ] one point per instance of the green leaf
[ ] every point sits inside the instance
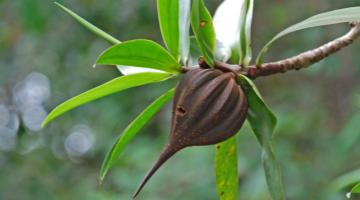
(184, 23)
(203, 29)
(272, 172)
(125, 70)
(115, 85)
(168, 11)
(89, 26)
(226, 170)
(259, 112)
(333, 17)
(356, 188)
(263, 122)
(131, 130)
(174, 18)
(245, 33)
(194, 52)
(139, 53)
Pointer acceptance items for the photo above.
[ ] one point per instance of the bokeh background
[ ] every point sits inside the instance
(46, 57)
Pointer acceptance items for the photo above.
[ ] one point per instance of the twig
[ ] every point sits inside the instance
(305, 59)
(297, 62)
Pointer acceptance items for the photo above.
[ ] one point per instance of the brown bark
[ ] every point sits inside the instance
(304, 59)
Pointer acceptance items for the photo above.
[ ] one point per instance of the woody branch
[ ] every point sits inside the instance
(302, 60)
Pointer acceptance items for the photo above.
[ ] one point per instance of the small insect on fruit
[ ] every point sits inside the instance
(208, 108)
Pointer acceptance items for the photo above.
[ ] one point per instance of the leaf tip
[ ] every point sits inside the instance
(102, 175)
(44, 123)
(103, 170)
(101, 180)
(58, 4)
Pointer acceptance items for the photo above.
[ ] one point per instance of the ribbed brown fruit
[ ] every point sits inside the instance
(209, 107)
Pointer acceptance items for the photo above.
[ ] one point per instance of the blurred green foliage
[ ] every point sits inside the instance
(318, 108)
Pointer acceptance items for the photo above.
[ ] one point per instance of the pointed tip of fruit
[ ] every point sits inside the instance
(165, 155)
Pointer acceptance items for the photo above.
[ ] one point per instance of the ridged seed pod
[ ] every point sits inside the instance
(208, 108)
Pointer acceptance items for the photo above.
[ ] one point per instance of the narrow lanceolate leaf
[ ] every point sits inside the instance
(174, 18)
(245, 33)
(184, 24)
(115, 85)
(168, 11)
(351, 14)
(131, 130)
(203, 29)
(272, 172)
(140, 53)
(258, 111)
(232, 23)
(263, 123)
(89, 26)
(125, 70)
(226, 170)
(194, 53)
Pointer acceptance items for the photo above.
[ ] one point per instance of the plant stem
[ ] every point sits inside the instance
(304, 59)
(297, 62)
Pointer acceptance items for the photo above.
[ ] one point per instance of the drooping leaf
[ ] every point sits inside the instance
(263, 122)
(89, 26)
(113, 86)
(184, 23)
(272, 172)
(232, 23)
(226, 170)
(168, 12)
(258, 111)
(139, 53)
(333, 17)
(203, 29)
(131, 130)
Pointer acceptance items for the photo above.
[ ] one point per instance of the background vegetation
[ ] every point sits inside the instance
(46, 58)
